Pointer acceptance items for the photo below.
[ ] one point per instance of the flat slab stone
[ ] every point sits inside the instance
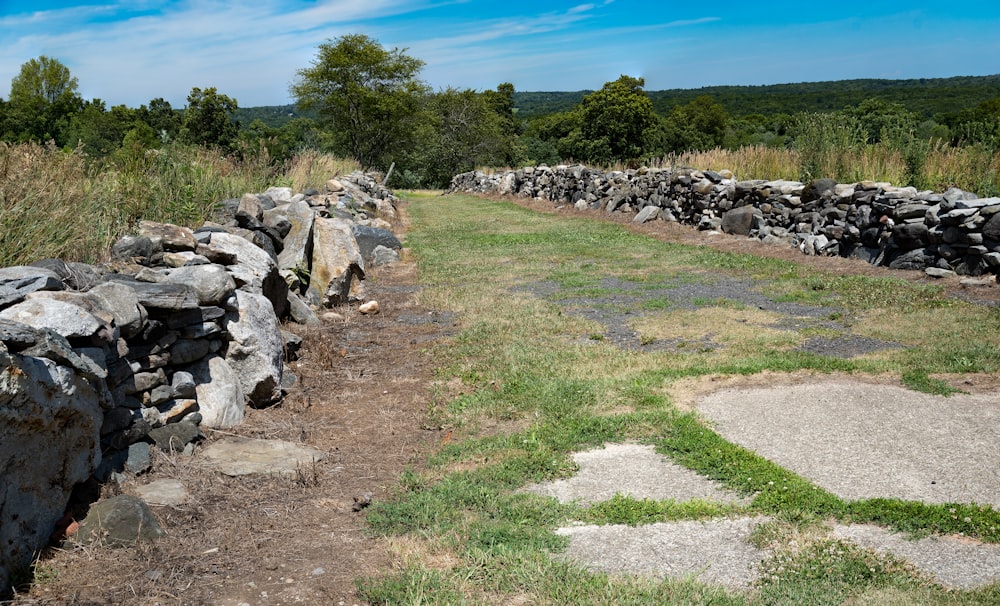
(238, 456)
(863, 441)
(956, 562)
(634, 470)
(166, 492)
(714, 551)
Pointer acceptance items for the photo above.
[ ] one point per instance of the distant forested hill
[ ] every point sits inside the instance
(926, 96)
(274, 116)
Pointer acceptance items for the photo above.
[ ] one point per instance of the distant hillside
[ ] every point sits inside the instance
(927, 96)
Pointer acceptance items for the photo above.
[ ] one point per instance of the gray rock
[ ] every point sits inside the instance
(369, 237)
(160, 394)
(255, 270)
(171, 297)
(991, 229)
(164, 493)
(17, 336)
(915, 259)
(383, 256)
(186, 351)
(238, 456)
(740, 221)
(279, 195)
(255, 348)
(121, 301)
(50, 420)
(175, 436)
(336, 263)
(297, 252)
(139, 458)
(250, 206)
(167, 237)
(293, 343)
(121, 521)
(212, 282)
(18, 281)
(183, 384)
(137, 249)
(220, 397)
(69, 320)
(647, 214)
(300, 311)
(937, 272)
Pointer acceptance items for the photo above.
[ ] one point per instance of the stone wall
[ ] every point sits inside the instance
(180, 330)
(900, 227)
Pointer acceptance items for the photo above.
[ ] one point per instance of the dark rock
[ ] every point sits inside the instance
(370, 237)
(121, 521)
(740, 221)
(175, 436)
(818, 189)
(137, 249)
(910, 235)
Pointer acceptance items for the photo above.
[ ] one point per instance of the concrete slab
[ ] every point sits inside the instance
(633, 470)
(956, 562)
(713, 551)
(862, 441)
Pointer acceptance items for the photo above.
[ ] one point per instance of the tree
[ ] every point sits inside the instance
(163, 119)
(460, 131)
(616, 118)
(208, 119)
(43, 98)
(698, 125)
(368, 96)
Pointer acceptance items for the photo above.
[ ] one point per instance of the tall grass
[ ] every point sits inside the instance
(68, 206)
(312, 169)
(931, 165)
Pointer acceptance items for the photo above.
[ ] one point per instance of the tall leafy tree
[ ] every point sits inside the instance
(368, 96)
(162, 118)
(208, 119)
(616, 118)
(43, 98)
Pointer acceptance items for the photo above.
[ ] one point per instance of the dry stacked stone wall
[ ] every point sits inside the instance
(181, 330)
(899, 227)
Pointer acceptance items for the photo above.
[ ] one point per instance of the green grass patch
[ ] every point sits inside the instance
(531, 366)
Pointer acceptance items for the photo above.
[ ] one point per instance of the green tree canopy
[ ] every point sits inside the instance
(616, 118)
(367, 95)
(43, 98)
(208, 119)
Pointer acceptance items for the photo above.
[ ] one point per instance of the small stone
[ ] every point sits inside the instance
(369, 308)
(120, 521)
(175, 437)
(166, 492)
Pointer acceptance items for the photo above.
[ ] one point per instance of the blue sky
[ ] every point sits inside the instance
(133, 51)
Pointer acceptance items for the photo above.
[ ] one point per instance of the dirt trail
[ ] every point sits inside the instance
(362, 397)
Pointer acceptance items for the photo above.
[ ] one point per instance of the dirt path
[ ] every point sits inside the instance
(362, 397)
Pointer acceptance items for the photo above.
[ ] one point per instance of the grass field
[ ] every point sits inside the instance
(539, 381)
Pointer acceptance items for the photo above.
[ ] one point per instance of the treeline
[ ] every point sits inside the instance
(361, 101)
(928, 97)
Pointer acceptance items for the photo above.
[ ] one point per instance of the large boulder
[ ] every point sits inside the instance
(368, 238)
(220, 396)
(255, 349)
(50, 430)
(740, 221)
(297, 253)
(336, 263)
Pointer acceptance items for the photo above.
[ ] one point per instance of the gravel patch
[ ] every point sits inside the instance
(633, 470)
(624, 300)
(953, 561)
(714, 551)
(863, 441)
